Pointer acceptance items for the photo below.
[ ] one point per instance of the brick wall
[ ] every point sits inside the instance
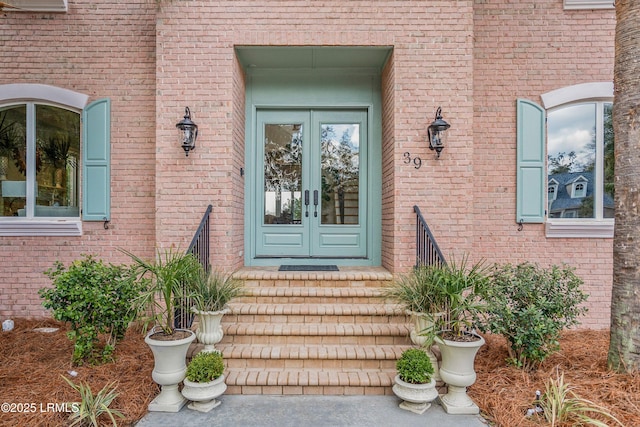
(472, 58)
(102, 49)
(522, 50)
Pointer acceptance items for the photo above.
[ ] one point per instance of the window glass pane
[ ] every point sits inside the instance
(282, 173)
(13, 149)
(340, 144)
(57, 154)
(609, 162)
(571, 155)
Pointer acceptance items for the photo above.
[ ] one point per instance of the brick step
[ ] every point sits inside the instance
(309, 381)
(315, 333)
(292, 294)
(312, 351)
(352, 277)
(315, 309)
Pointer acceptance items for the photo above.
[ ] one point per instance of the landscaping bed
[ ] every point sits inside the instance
(33, 363)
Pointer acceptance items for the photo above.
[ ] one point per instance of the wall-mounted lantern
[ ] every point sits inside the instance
(188, 132)
(437, 133)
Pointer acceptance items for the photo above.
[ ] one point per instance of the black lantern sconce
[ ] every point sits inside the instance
(188, 132)
(438, 133)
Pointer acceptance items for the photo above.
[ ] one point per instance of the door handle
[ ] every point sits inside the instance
(306, 202)
(315, 203)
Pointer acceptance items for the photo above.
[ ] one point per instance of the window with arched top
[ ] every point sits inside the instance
(54, 160)
(567, 144)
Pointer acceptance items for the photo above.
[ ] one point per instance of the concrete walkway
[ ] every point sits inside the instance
(310, 411)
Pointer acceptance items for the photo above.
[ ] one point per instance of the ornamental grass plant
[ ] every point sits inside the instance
(212, 291)
(92, 407)
(561, 405)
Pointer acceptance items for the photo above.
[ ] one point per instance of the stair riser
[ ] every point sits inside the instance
(310, 390)
(286, 283)
(283, 299)
(315, 340)
(311, 319)
(345, 365)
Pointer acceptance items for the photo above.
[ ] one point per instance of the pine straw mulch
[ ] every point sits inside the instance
(504, 393)
(32, 363)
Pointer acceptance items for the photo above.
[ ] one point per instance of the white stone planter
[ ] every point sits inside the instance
(169, 370)
(203, 395)
(209, 331)
(421, 322)
(457, 370)
(415, 397)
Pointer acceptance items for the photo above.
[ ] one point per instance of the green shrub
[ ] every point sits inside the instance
(95, 299)
(205, 367)
(414, 367)
(530, 305)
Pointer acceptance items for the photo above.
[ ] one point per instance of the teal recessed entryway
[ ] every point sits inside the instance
(312, 154)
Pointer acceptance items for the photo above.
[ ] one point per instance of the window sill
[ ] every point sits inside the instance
(588, 4)
(41, 227)
(583, 228)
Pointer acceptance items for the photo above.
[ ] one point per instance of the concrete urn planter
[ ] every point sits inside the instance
(423, 322)
(209, 331)
(457, 371)
(416, 398)
(203, 395)
(169, 370)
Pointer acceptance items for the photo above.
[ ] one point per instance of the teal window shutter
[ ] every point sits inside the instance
(530, 180)
(96, 176)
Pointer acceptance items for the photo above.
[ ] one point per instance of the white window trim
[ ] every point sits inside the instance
(582, 228)
(60, 6)
(588, 4)
(41, 226)
(35, 92)
(580, 92)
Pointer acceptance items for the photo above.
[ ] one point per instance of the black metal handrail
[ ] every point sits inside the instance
(427, 250)
(199, 247)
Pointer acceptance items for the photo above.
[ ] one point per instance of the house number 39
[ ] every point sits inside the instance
(416, 161)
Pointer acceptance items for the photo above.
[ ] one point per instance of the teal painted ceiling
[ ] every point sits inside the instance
(310, 57)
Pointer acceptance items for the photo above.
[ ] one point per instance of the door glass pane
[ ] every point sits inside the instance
(340, 146)
(282, 173)
(13, 166)
(571, 161)
(57, 154)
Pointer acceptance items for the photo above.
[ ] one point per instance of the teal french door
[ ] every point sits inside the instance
(311, 189)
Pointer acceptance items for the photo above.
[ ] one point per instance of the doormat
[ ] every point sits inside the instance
(308, 268)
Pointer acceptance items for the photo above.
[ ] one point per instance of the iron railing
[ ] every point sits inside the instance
(427, 250)
(199, 247)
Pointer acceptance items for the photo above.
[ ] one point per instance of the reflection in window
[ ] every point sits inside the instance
(580, 161)
(45, 162)
(282, 173)
(340, 145)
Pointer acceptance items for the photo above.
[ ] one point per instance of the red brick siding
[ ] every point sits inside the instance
(471, 58)
(102, 50)
(522, 50)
